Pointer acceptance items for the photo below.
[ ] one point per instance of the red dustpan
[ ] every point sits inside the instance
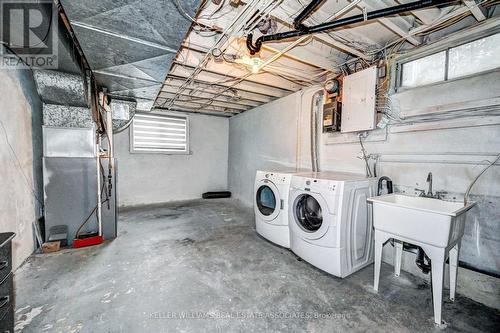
(87, 241)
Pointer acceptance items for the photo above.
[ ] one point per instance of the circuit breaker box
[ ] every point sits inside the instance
(358, 101)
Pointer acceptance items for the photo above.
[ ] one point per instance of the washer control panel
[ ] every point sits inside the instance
(315, 185)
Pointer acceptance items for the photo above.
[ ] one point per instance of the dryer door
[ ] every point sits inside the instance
(310, 213)
(267, 200)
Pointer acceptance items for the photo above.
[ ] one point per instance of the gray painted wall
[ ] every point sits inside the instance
(277, 135)
(155, 178)
(21, 116)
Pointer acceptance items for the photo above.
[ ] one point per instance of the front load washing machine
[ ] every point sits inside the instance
(271, 206)
(330, 220)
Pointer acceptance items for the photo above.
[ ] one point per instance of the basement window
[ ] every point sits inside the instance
(478, 56)
(424, 71)
(152, 133)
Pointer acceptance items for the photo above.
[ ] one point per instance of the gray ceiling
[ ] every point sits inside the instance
(130, 44)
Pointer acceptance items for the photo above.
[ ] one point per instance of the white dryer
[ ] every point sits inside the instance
(271, 206)
(331, 222)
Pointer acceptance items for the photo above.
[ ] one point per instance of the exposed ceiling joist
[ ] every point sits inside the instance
(395, 24)
(213, 74)
(313, 52)
(427, 15)
(218, 89)
(453, 14)
(229, 81)
(206, 111)
(326, 16)
(204, 93)
(195, 106)
(205, 101)
(324, 38)
(476, 10)
(328, 40)
(302, 58)
(191, 59)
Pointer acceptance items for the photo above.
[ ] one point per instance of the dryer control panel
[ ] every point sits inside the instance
(278, 178)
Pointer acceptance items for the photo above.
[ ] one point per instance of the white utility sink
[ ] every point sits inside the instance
(427, 220)
(435, 225)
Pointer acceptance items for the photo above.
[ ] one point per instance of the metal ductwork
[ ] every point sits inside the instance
(130, 45)
(60, 88)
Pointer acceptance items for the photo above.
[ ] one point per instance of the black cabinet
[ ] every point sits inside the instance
(6, 283)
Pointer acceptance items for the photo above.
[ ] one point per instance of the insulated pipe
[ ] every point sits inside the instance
(408, 7)
(312, 6)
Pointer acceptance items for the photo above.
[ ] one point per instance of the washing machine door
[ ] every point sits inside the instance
(267, 200)
(310, 213)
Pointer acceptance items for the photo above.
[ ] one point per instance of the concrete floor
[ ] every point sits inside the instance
(203, 260)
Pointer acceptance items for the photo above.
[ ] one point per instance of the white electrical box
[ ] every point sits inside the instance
(358, 101)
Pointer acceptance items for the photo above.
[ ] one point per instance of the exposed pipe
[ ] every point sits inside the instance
(303, 38)
(316, 100)
(312, 6)
(394, 10)
(235, 25)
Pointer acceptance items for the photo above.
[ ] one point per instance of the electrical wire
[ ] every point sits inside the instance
(388, 51)
(202, 27)
(244, 13)
(217, 9)
(103, 187)
(467, 192)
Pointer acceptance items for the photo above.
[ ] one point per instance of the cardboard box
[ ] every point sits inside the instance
(51, 247)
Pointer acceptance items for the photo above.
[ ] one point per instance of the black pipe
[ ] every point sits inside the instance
(388, 185)
(312, 6)
(422, 261)
(343, 22)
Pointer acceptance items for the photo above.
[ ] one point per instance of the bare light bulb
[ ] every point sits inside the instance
(255, 65)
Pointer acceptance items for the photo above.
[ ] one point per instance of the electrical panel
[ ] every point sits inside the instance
(358, 101)
(332, 116)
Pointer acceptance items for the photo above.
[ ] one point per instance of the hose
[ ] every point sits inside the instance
(365, 157)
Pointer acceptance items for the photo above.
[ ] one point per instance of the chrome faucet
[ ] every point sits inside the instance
(438, 195)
